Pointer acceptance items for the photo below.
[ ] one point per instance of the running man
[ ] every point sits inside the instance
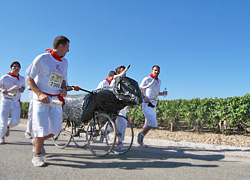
(150, 96)
(11, 87)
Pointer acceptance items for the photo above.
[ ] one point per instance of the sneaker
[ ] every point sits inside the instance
(38, 160)
(140, 140)
(8, 132)
(2, 140)
(28, 135)
(121, 147)
(43, 152)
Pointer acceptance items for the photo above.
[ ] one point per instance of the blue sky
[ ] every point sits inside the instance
(202, 46)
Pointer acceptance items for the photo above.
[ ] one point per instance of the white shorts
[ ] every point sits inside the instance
(46, 118)
(150, 115)
(7, 107)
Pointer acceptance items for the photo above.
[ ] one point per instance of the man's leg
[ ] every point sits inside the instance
(145, 130)
(150, 122)
(15, 115)
(4, 114)
(39, 142)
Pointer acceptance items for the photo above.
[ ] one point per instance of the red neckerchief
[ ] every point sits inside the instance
(53, 53)
(108, 80)
(152, 76)
(59, 97)
(13, 75)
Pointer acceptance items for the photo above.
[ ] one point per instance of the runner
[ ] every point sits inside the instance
(47, 78)
(150, 95)
(106, 82)
(11, 87)
(121, 123)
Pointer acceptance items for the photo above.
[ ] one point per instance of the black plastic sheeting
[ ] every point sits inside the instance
(80, 108)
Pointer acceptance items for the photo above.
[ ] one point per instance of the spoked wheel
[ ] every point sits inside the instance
(101, 134)
(124, 134)
(64, 137)
(79, 135)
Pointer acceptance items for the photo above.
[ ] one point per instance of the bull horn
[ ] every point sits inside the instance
(150, 84)
(122, 74)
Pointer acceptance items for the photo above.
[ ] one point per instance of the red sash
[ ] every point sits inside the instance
(53, 53)
(59, 97)
(152, 76)
(108, 80)
(13, 75)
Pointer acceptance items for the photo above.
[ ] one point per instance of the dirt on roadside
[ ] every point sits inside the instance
(195, 137)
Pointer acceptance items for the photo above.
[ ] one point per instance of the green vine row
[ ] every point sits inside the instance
(208, 112)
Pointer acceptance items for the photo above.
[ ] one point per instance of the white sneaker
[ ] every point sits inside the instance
(28, 135)
(38, 160)
(2, 140)
(121, 147)
(43, 152)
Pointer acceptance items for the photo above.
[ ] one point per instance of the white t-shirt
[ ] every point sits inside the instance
(153, 91)
(112, 84)
(8, 81)
(102, 84)
(48, 73)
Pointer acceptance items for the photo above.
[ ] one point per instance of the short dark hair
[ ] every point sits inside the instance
(156, 66)
(118, 70)
(15, 62)
(60, 40)
(111, 73)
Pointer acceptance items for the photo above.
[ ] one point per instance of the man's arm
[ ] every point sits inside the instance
(164, 93)
(76, 88)
(146, 100)
(63, 93)
(42, 97)
(4, 91)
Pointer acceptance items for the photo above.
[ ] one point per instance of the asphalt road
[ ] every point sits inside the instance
(157, 162)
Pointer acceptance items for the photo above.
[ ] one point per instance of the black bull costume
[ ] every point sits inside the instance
(80, 108)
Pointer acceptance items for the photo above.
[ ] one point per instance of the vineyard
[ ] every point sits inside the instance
(218, 114)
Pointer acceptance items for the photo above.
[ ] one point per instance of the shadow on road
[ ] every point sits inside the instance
(136, 158)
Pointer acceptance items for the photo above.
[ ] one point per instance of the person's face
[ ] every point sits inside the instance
(155, 71)
(121, 70)
(15, 69)
(62, 50)
(111, 78)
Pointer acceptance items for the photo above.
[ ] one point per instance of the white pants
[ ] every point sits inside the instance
(46, 118)
(29, 122)
(150, 115)
(121, 125)
(7, 107)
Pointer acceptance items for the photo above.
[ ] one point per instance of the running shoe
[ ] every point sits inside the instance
(2, 140)
(38, 160)
(121, 147)
(28, 135)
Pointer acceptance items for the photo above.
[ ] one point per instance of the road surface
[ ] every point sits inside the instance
(163, 160)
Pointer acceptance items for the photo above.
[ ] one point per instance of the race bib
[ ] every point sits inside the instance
(55, 80)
